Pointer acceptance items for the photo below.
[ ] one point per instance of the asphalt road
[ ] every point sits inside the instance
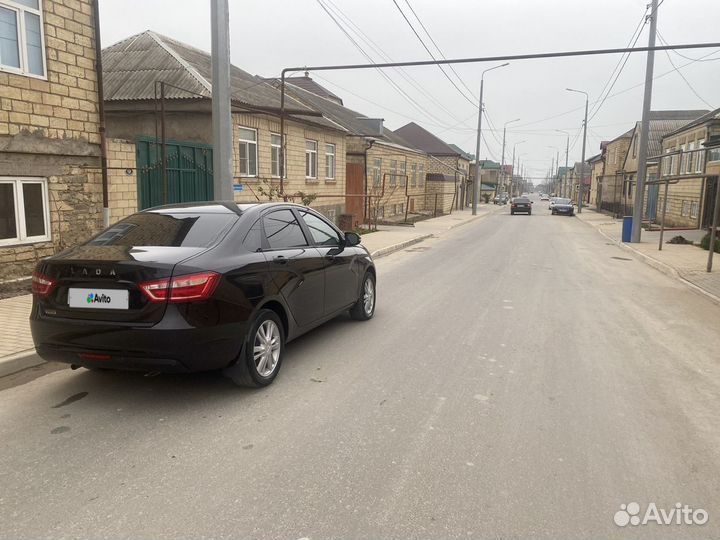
(521, 378)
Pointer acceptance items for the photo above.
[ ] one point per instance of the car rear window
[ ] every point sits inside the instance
(156, 229)
(522, 200)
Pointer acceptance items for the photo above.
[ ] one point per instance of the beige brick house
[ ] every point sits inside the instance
(385, 174)
(694, 170)
(146, 65)
(610, 181)
(50, 187)
(660, 124)
(447, 166)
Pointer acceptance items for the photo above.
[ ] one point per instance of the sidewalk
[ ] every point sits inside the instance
(684, 262)
(16, 345)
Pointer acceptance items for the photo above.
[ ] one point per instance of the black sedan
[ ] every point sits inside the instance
(520, 205)
(563, 206)
(204, 286)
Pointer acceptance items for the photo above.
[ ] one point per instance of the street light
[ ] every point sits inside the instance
(512, 175)
(502, 161)
(476, 184)
(557, 163)
(581, 186)
(567, 150)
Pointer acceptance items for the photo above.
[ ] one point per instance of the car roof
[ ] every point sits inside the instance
(219, 207)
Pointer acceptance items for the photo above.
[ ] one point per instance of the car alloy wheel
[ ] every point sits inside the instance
(266, 348)
(369, 297)
(364, 308)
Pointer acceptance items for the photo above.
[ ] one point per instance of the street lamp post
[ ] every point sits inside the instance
(502, 161)
(476, 184)
(581, 185)
(553, 168)
(512, 174)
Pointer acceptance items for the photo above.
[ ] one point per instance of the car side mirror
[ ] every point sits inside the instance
(352, 239)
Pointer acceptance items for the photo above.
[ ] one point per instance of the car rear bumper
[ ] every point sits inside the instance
(169, 346)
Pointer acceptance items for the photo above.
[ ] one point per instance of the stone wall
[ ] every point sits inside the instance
(49, 133)
(122, 187)
(399, 184)
(330, 192)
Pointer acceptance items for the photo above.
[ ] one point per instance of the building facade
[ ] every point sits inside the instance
(693, 169)
(50, 186)
(143, 109)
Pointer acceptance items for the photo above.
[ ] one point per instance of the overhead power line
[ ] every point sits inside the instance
(620, 64)
(690, 86)
(382, 54)
(472, 102)
(440, 51)
(392, 83)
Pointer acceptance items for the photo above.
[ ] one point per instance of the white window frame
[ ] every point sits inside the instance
(247, 143)
(19, 201)
(273, 161)
(683, 159)
(377, 172)
(393, 172)
(20, 10)
(421, 175)
(414, 170)
(700, 163)
(402, 173)
(330, 161)
(311, 160)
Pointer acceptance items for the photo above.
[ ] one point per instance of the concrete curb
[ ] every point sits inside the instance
(657, 265)
(19, 361)
(397, 247)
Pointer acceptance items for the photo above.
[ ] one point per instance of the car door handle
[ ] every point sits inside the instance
(280, 260)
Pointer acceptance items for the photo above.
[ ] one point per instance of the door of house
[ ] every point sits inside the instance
(709, 202)
(354, 186)
(652, 201)
(189, 173)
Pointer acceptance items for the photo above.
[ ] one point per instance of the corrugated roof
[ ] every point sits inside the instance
(308, 83)
(462, 152)
(421, 138)
(132, 66)
(712, 115)
(353, 121)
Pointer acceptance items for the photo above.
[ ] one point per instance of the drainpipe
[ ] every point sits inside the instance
(101, 115)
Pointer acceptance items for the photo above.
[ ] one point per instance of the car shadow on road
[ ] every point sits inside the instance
(116, 389)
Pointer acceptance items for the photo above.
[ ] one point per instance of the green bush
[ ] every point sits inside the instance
(486, 197)
(679, 240)
(705, 243)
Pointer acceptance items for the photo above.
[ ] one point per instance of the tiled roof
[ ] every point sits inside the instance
(424, 140)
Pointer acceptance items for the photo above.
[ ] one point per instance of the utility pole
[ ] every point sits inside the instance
(502, 166)
(644, 128)
(478, 176)
(221, 115)
(581, 185)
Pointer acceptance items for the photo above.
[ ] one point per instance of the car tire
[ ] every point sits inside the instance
(264, 343)
(529, 213)
(364, 308)
(512, 213)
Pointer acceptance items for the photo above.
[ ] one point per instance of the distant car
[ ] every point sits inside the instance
(544, 197)
(563, 206)
(500, 199)
(520, 205)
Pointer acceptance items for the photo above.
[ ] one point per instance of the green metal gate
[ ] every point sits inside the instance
(189, 172)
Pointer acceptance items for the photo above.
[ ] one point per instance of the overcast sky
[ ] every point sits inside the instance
(269, 35)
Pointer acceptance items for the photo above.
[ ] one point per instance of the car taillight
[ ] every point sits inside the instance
(42, 285)
(181, 288)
